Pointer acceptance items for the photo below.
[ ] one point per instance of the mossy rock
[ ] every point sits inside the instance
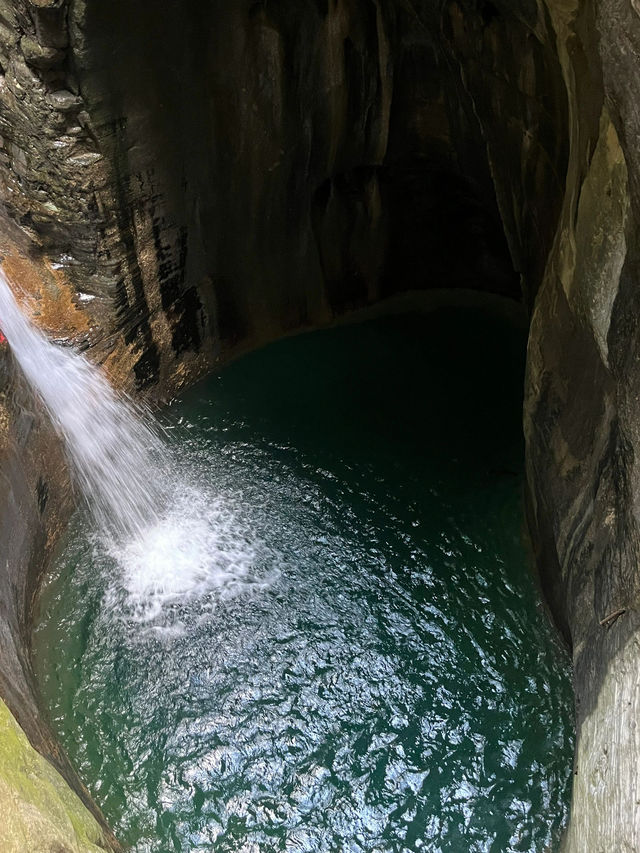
(40, 813)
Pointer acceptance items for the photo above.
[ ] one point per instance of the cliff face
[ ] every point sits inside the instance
(222, 173)
(179, 187)
(582, 419)
(581, 415)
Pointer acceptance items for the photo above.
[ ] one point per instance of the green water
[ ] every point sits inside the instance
(382, 677)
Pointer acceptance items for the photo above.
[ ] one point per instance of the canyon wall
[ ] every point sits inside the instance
(178, 188)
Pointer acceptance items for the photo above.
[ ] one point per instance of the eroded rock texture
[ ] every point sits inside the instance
(582, 420)
(184, 183)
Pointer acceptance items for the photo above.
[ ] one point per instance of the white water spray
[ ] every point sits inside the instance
(169, 537)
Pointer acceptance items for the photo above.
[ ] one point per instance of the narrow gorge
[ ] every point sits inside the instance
(182, 185)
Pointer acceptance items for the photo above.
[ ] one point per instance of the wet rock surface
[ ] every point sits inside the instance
(184, 186)
(40, 811)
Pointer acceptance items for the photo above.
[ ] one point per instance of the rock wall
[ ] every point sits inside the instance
(581, 416)
(582, 420)
(221, 174)
(180, 187)
(40, 811)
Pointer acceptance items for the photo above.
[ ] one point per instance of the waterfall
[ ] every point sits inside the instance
(170, 536)
(113, 449)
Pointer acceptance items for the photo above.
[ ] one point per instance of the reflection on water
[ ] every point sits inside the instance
(373, 671)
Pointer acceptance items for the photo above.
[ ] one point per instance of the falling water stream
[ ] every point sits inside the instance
(317, 631)
(115, 455)
(167, 530)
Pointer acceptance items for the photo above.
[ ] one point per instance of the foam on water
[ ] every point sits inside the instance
(198, 551)
(169, 538)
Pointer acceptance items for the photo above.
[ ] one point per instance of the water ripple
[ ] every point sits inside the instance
(332, 643)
